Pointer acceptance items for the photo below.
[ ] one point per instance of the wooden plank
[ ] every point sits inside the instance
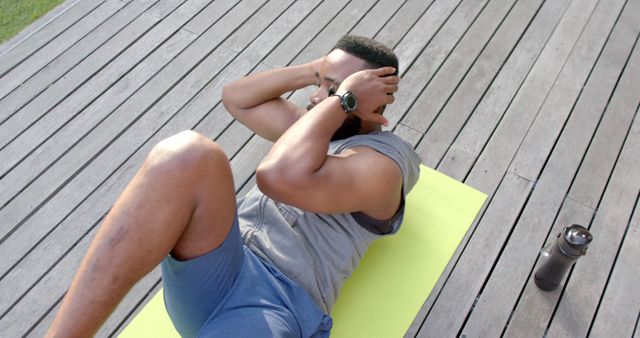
(601, 159)
(502, 146)
(402, 21)
(72, 56)
(243, 38)
(617, 118)
(471, 140)
(408, 134)
(248, 185)
(459, 159)
(527, 23)
(584, 289)
(233, 139)
(55, 91)
(424, 108)
(505, 206)
(36, 26)
(49, 119)
(20, 183)
(55, 147)
(502, 289)
(247, 160)
(552, 116)
(20, 73)
(208, 16)
(41, 330)
(91, 162)
(495, 100)
(74, 121)
(458, 293)
(438, 30)
(616, 314)
(33, 43)
(59, 174)
(414, 48)
(297, 40)
(342, 23)
(379, 14)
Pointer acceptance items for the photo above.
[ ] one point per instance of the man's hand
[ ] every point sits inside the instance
(315, 66)
(373, 88)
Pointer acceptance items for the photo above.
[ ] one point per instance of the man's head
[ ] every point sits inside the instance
(350, 54)
(374, 53)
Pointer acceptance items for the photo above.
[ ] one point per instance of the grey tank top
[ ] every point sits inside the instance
(319, 251)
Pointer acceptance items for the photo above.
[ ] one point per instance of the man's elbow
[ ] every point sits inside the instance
(229, 99)
(278, 182)
(270, 179)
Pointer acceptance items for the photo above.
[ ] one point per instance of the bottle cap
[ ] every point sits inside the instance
(575, 240)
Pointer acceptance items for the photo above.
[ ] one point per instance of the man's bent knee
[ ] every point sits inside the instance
(187, 152)
(199, 169)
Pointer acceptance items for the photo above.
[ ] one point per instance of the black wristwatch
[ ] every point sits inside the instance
(348, 101)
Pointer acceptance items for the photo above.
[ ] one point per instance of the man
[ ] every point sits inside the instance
(272, 268)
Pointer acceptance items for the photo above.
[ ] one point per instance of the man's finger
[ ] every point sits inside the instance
(390, 99)
(383, 121)
(391, 79)
(391, 89)
(379, 119)
(384, 71)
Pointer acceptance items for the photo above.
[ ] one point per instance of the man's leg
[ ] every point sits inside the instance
(181, 201)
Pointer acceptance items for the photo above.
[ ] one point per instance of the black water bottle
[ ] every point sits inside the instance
(561, 253)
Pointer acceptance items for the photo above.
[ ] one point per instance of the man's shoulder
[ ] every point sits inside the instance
(372, 137)
(384, 142)
(388, 146)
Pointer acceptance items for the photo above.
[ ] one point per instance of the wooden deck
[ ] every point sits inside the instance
(533, 102)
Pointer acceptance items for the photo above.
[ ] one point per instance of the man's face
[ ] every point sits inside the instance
(337, 66)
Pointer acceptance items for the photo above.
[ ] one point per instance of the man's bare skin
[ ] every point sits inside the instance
(182, 199)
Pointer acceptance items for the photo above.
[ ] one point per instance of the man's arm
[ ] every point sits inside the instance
(298, 171)
(255, 100)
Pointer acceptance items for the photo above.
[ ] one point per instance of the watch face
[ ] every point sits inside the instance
(351, 103)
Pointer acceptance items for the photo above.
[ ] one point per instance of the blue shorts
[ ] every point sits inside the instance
(230, 292)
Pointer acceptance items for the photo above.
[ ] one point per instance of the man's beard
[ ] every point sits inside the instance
(350, 127)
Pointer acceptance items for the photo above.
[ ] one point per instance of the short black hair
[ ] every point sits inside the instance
(376, 54)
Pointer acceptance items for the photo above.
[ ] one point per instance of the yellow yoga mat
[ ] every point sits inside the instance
(396, 275)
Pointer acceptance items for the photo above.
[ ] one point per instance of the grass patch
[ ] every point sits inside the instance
(18, 14)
